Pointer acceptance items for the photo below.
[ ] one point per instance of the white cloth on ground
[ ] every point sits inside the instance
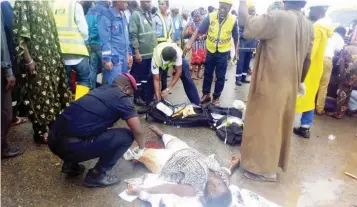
(352, 104)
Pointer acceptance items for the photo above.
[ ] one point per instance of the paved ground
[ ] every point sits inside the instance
(315, 178)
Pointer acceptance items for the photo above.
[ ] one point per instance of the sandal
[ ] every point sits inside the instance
(19, 121)
(255, 177)
(41, 138)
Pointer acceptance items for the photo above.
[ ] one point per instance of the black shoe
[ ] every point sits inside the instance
(245, 81)
(238, 83)
(302, 132)
(95, 180)
(143, 110)
(72, 169)
(139, 101)
(10, 152)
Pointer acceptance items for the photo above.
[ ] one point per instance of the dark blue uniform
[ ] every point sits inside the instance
(81, 132)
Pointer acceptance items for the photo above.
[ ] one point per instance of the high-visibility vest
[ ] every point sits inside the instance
(166, 33)
(70, 38)
(157, 55)
(219, 34)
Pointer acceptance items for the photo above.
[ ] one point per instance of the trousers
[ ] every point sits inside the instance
(82, 73)
(218, 63)
(141, 74)
(188, 84)
(243, 65)
(324, 82)
(96, 65)
(6, 115)
(305, 119)
(108, 146)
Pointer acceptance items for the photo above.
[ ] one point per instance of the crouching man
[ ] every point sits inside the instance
(82, 132)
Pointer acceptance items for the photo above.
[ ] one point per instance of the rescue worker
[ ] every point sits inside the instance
(72, 33)
(218, 48)
(88, 135)
(176, 25)
(93, 40)
(163, 25)
(246, 49)
(165, 56)
(142, 37)
(114, 40)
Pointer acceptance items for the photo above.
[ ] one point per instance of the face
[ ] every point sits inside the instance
(252, 11)
(197, 18)
(128, 90)
(215, 186)
(121, 5)
(184, 15)
(146, 5)
(163, 6)
(224, 10)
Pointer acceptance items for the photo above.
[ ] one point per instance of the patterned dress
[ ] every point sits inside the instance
(349, 75)
(190, 167)
(46, 92)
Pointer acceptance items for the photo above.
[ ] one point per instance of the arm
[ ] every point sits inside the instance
(235, 35)
(201, 30)
(261, 27)
(135, 127)
(156, 80)
(81, 21)
(134, 36)
(306, 67)
(177, 76)
(105, 36)
(243, 13)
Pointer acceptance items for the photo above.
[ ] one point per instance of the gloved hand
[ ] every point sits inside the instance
(302, 89)
(138, 153)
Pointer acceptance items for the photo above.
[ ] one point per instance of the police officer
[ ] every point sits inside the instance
(83, 131)
(72, 33)
(220, 26)
(93, 41)
(114, 39)
(165, 56)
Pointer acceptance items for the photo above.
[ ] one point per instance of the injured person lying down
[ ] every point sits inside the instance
(190, 173)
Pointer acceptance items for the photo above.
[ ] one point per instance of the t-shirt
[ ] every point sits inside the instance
(155, 68)
(95, 112)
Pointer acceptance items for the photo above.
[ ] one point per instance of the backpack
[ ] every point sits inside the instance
(229, 130)
(166, 113)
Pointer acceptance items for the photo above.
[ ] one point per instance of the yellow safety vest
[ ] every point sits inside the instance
(219, 34)
(167, 35)
(70, 38)
(157, 55)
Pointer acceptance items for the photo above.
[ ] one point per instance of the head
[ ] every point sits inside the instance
(184, 15)
(154, 10)
(132, 5)
(163, 6)
(211, 9)
(294, 5)
(234, 12)
(217, 194)
(146, 5)
(126, 83)
(175, 11)
(252, 11)
(169, 54)
(196, 16)
(106, 3)
(120, 5)
(341, 31)
(317, 12)
(224, 8)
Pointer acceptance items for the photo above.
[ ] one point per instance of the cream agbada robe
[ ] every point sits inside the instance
(286, 37)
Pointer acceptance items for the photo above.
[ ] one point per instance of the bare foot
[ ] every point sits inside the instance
(234, 163)
(156, 130)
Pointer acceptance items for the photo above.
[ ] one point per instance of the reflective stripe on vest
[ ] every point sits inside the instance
(70, 38)
(157, 55)
(219, 34)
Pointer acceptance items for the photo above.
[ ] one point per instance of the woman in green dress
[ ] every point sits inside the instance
(38, 55)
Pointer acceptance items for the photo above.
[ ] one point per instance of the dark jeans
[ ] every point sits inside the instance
(243, 65)
(95, 66)
(141, 74)
(6, 114)
(215, 62)
(188, 84)
(108, 146)
(82, 73)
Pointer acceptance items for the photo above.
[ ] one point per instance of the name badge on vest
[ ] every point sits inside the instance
(60, 11)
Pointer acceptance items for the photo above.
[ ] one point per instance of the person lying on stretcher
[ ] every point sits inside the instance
(195, 174)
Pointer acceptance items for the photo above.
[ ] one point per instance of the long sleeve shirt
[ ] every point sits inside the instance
(92, 21)
(82, 25)
(6, 69)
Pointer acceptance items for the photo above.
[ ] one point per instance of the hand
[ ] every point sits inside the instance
(133, 190)
(108, 65)
(187, 48)
(138, 153)
(11, 80)
(302, 89)
(130, 62)
(138, 58)
(165, 93)
(31, 67)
